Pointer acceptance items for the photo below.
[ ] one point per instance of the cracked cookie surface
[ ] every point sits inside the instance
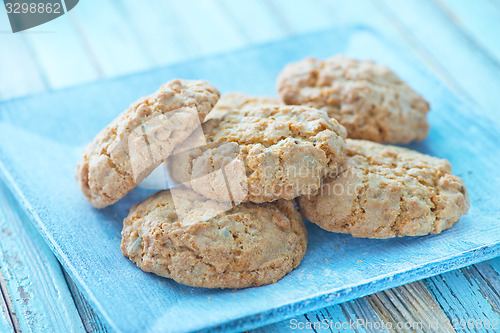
(261, 153)
(140, 138)
(384, 191)
(368, 99)
(203, 243)
(237, 101)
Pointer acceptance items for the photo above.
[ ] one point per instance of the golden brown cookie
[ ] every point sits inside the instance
(237, 101)
(261, 153)
(136, 142)
(386, 191)
(368, 99)
(203, 243)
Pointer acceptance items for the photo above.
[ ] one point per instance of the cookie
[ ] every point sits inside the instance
(203, 243)
(386, 191)
(140, 138)
(237, 101)
(369, 100)
(261, 153)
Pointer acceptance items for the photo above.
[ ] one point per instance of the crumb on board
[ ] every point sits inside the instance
(326, 259)
(357, 262)
(335, 246)
(209, 299)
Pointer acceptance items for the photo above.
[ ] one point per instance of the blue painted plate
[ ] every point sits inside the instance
(41, 139)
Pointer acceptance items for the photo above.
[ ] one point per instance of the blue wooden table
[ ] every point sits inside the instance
(459, 41)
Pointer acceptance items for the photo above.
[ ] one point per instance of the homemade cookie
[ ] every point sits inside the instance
(136, 142)
(202, 243)
(237, 101)
(261, 153)
(386, 191)
(368, 99)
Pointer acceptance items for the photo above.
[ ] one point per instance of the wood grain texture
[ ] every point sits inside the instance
(465, 295)
(360, 309)
(410, 308)
(39, 296)
(495, 265)
(488, 282)
(6, 324)
(90, 320)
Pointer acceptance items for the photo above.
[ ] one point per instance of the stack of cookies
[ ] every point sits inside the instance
(236, 165)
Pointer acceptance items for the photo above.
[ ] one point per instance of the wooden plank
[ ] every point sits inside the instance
(105, 27)
(61, 55)
(90, 320)
(490, 272)
(32, 276)
(159, 28)
(494, 264)
(254, 20)
(460, 297)
(207, 28)
(360, 309)
(410, 308)
(413, 303)
(5, 319)
(20, 75)
(473, 71)
(488, 283)
(300, 16)
(478, 21)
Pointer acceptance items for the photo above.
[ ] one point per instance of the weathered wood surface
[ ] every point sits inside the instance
(33, 283)
(6, 324)
(457, 39)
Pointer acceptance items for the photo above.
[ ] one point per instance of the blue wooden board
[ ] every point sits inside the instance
(41, 139)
